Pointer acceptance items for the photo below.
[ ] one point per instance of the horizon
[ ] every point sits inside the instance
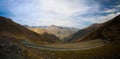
(65, 13)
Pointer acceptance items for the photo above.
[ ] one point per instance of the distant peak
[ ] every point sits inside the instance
(53, 25)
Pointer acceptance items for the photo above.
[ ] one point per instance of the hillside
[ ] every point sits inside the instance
(38, 30)
(45, 34)
(12, 29)
(60, 32)
(11, 48)
(108, 31)
(82, 33)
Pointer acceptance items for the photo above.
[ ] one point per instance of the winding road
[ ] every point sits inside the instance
(64, 47)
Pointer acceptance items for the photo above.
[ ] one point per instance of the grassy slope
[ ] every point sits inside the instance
(82, 33)
(108, 31)
(9, 48)
(12, 29)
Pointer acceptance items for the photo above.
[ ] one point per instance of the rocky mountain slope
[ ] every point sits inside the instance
(82, 33)
(108, 31)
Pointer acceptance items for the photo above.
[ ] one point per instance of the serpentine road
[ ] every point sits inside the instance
(43, 47)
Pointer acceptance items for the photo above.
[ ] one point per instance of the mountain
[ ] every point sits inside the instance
(39, 30)
(60, 32)
(82, 33)
(46, 35)
(12, 29)
(108, 31)
(12, 39)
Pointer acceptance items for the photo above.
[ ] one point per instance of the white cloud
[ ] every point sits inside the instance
(64, 7)
(107, 17)
(110, 10)
(57, 12)
(48, 12)
(101, 19)
(97, 19)
(118, 6)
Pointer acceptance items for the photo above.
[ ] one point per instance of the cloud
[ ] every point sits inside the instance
(48, 12)
(64, 7)
(118, 6)
(57, 12)
(110, 10)
(101, 19)
(108, 17)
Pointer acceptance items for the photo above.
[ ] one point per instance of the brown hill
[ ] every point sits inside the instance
(108, 31)
(82, 33)
(12, 29)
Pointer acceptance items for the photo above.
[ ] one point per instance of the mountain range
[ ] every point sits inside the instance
(58, 31)
(22, 42)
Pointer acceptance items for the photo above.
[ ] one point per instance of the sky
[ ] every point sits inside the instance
(66, 13)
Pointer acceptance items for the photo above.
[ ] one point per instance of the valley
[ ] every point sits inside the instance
(59, 29)
(19, 42)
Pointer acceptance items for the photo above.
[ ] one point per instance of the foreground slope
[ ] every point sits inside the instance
(11, 48)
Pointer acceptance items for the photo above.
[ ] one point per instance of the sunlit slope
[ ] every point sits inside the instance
(49, 37)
